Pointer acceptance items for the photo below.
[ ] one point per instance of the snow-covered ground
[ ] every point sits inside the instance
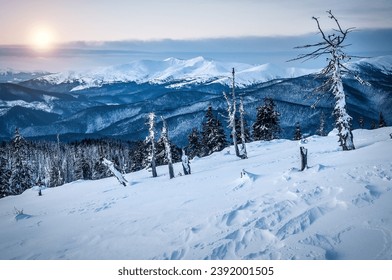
(339, 208)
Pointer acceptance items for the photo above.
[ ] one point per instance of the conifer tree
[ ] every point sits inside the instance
(381, 121)
(5, 175)
(361, 122)
(297, 132)
(213, 136)
(20, 173)
(137, 154)
(266, 126)
(321, 130)
(195, 147)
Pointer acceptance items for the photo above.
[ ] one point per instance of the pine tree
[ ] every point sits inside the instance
(137, 154)
(297, 132)
(381, 122)
(5, 175)
(321, 130)
(213, 136)
(20, 173)
(195, 147)
(266, 126)
(361, 122)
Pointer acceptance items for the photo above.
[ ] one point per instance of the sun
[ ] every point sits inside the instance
(42, 39)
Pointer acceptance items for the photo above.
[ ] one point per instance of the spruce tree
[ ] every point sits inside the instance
(20, 173)
(213, 135)
(361, 122)
(5, 175)
(297, 132)
(195, 147)
(321, 130)
(137, 154)
(266, 126)
(381, 121)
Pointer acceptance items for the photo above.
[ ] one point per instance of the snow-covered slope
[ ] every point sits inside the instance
(8, 75)
(382, 63)
(176, 71)
(339, 208)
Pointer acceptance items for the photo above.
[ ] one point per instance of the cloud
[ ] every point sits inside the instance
(253, 50)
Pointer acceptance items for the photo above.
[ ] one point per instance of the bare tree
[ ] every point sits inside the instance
(151, 139)
(232, 109)
(333, 46)
(243, 151)
(165, 138)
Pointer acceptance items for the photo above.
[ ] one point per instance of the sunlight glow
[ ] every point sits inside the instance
(42, 39)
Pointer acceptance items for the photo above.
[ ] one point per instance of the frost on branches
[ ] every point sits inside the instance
(114, 171)
(168, 153)
(332, 45)
(151, 139)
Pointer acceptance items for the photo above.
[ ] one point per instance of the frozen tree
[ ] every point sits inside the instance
(321, 129)
(168, 153)
(231, 110)
(333, 45)
(185, 163)
(151, 140)
(297, 132)
(381, 121)
(243, 151)
(114, 171)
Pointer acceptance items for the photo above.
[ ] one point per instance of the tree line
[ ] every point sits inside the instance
(24, 163)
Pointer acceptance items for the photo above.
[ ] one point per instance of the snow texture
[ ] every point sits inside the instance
(259, 208)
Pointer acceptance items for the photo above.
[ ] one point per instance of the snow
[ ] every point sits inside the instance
(178, 72)
(46, 106)
(228, 208)
(384, 63)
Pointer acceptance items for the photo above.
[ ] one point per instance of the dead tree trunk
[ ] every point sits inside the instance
(304, 158)
(333, 45)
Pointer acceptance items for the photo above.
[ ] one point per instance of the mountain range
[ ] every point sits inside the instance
(114, 101)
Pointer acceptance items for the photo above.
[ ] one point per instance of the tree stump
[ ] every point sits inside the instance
(304, 157)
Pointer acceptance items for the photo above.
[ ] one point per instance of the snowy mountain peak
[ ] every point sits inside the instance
(177, 72)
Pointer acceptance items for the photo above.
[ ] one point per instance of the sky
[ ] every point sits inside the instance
(40, 33)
